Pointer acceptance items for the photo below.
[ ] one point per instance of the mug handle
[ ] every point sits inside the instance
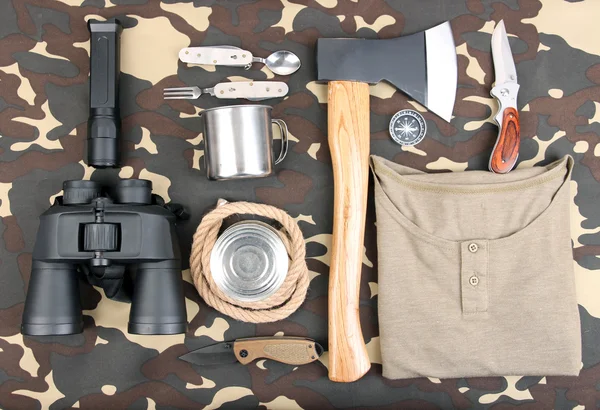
(284, 139)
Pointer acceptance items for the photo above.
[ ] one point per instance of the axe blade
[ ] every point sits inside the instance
(422, 65)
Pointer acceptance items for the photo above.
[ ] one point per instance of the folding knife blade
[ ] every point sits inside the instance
(219, 353)
(504, 64)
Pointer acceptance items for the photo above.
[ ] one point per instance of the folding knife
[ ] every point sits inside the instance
(505, 153)
(216, 55)
(290, 350)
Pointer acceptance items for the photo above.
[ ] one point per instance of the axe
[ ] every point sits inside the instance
(423, 65)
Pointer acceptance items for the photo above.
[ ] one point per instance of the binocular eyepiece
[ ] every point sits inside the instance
(127, 191)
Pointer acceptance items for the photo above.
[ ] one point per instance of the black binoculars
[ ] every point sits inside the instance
(101, 235)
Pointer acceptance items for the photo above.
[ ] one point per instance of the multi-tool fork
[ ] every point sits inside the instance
(250, 90)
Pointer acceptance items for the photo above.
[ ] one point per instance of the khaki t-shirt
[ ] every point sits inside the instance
(476, 272)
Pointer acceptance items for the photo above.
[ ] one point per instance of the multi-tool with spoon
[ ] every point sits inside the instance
(280, 62)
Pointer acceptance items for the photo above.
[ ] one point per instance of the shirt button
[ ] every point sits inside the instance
(473, 247)
(474, 280)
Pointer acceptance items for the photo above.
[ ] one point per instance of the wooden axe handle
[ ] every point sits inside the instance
(348, 129)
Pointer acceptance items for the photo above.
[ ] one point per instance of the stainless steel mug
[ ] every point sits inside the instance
(238, 141)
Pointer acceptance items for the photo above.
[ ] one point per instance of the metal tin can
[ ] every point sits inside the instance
(249, 261)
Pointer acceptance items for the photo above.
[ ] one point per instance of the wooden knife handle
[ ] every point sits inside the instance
(282, 349)
(506, 150)
(348, 129)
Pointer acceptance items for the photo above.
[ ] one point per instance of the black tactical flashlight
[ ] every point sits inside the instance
(104, 123)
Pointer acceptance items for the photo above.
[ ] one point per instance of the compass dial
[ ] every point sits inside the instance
(407, 127)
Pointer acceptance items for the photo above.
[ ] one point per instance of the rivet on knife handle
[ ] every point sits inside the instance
(215, 56)
(506, 151)
(293, 351)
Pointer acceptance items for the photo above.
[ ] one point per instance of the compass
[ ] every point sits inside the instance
(408, 127)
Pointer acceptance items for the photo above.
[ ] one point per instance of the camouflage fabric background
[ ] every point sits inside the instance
(44, 66)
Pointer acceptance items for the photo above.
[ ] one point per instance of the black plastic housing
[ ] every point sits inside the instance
(104, 123)
(106, 240)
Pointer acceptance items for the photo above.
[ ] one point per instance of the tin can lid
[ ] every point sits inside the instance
(249, 261)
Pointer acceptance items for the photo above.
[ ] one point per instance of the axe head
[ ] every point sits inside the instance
(423, 65)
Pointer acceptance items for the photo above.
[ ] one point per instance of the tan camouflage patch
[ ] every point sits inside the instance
(414, 150)
(87, 170)
(47, 397)
(490, 102)
(581, 147)
(126, 172)
(377, 25)
(196, 17)
(447, 165)
(216, 331)
(109, 389)
(555, 93)
(5, 199)
(24, 91)
(146, 142)
(510, 391)
(374, 350)
(328, 3)
(305, 218)
(314, 149)
(282, 403)
(160, 183)
(153, 46)
(374, 288)
(206, 384)
(43, 125)
(474, 70)
(41, 48)
(319, 90)
(382, 90)
(577, 21)
(542, 147)
(288, 13)
(27, 362)
(197, 158)
(112, 314)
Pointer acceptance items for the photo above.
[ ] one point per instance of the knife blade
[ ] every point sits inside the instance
(506, 150)
(289, 350)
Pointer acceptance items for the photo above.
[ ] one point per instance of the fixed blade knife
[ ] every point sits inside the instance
(289, 350)
(506, 150)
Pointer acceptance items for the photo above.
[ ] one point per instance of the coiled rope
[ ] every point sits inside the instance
(285, 300)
